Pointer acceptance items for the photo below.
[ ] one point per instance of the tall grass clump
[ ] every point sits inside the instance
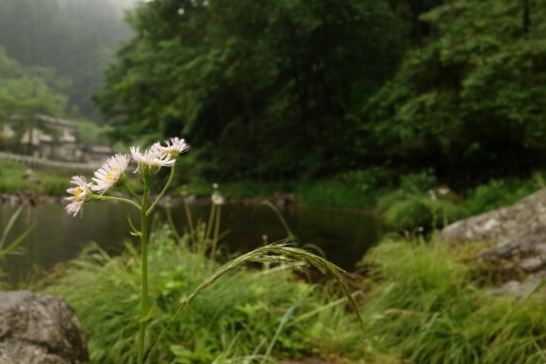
(418, 205)
(424, 308)
(236, 318)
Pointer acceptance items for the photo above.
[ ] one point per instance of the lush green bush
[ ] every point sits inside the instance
(499, 192)
(403, 211)
(418, 206)
(423, 308)
(237, 317)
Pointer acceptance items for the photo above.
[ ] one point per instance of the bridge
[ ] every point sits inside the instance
(47, 163)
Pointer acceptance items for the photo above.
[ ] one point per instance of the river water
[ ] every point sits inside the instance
(343, 235)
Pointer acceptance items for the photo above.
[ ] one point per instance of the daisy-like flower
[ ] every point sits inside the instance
(152, 159)
(174, 147)
(80, 193)
(110, 173)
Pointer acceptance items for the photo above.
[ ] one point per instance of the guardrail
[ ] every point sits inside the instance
(41, 162)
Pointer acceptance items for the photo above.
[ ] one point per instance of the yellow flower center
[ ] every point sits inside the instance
(111, 175)
(78, 194)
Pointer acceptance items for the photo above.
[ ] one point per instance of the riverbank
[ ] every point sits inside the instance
(422, 303)
(415, 202)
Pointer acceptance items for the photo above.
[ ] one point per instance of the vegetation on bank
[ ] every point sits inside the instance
(404, 202)
(250, 313)
(425, 306)
(421, 302)
(16, 178)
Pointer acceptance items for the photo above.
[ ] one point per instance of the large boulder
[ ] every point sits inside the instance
(518, 231)
(517, 235)
(39, 329)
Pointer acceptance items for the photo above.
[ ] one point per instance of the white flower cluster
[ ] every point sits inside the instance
(110, 174)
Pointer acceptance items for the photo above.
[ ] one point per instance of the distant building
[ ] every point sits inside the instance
(57, 139)
(53, 139)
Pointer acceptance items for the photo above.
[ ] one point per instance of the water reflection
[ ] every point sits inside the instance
(343, 235)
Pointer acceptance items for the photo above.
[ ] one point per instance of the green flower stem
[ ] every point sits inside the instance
(113, 198)
(171, 177)
(144, 236)
(131, 191)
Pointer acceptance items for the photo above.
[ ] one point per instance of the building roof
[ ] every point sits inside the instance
(55, 121)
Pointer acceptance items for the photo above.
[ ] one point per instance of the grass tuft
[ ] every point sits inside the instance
(423, 308)
(234, 313)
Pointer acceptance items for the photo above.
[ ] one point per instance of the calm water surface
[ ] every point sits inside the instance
(344, 236)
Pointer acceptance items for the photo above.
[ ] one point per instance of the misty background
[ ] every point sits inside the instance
(65, 44)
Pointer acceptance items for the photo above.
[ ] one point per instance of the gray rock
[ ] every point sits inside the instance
(532, 264)
(521, 289)
(518, 230)
(518, 234)
(505, 222)
(39, 329)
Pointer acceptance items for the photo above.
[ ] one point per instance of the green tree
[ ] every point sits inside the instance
(469, 102)
(272, 86)
(24, 93)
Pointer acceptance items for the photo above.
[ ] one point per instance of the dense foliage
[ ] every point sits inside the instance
(358, 90)
(269, 85)
(469, 101)
(292, 88)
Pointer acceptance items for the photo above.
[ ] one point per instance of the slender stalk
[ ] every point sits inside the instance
(171, 222)
(189, 218)
(216, 232)
(165, 188)
(144, 236)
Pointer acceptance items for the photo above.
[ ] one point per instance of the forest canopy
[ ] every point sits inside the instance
(273, 87)
(294, 89)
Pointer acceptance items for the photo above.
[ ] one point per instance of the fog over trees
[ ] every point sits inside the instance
(73, 39)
